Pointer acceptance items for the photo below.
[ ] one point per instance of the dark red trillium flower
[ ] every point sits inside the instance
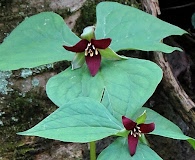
(90, 49)
(135, 132)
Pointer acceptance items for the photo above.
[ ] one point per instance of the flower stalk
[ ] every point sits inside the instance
(92, 146)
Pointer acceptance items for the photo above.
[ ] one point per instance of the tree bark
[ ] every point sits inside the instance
(181, 102)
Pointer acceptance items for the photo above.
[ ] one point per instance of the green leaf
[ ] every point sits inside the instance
(164, 127)
(81, 120)
(130, 28)
(78, 60)
(36, 41)
(126, 85)
(118, 150)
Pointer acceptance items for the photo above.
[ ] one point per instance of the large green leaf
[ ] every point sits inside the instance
(130, 28)
(81, 120)
(126, 84)
(118, 150)
(164, 127)
(36, 41)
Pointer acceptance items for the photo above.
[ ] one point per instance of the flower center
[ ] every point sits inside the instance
(136, 131)
(91, 50)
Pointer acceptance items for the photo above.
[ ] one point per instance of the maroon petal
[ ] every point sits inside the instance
(132, 143)
(128, 124)
(101, 43)
(93, 63)
(79, 47)
(147, 128)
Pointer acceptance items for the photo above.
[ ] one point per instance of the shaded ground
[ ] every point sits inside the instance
(23, 102)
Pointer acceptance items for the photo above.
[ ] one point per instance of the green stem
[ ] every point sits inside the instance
(92, 150)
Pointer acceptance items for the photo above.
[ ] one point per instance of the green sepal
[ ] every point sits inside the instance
(123, 133)
(144, 140)
(88, 33)
(109, 54)
(141, 118)
(192, 142)
(78, 60)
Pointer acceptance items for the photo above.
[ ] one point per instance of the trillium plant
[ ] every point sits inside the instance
(102, 93)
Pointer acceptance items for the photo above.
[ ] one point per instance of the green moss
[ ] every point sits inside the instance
(64, 12)
(18, 115)
(87, 18)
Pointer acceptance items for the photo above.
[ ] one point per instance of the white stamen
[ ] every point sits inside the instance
(86, 53)
(91, 50)
(96, 52)
(91, 53)
(136, 132)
